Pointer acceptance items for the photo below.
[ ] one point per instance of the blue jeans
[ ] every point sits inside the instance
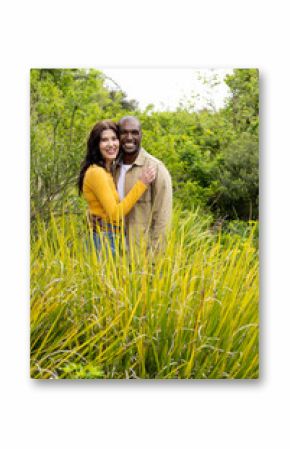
(106, 239)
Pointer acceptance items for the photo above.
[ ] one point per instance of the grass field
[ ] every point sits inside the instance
(189, 313)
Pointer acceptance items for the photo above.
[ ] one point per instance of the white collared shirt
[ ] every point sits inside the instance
(121, 181)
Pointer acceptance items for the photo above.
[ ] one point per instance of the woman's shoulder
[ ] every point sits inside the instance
(95, 170)
(96, 175)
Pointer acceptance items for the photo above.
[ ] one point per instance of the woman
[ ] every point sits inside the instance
(97, 184)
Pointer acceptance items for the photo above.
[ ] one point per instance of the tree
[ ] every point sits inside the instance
(243, 106)
(239, 179)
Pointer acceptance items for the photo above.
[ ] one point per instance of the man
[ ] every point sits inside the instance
(151, 215)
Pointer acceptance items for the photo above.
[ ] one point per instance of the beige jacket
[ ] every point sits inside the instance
(151, 215)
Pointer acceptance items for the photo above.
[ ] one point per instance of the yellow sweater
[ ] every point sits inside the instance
(103, 200)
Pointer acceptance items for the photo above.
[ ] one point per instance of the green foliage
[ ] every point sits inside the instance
(212, 155)
(243, 107)
(239, 188)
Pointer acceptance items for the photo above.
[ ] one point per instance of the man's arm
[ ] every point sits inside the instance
(161, 207)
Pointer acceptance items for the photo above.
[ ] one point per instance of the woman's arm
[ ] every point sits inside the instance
(98, 180)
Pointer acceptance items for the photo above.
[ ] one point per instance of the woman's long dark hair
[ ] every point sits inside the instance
(93, 155)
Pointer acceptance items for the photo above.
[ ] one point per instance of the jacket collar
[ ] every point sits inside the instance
(141, 158)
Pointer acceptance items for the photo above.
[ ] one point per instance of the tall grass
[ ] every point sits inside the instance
(191, 312)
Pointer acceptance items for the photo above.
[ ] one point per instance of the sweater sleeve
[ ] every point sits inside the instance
(99, 182)
(162, 207)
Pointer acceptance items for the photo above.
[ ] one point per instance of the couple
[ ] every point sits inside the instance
(118, 179)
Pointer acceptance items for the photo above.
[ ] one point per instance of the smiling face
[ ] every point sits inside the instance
(109, 145)
(130, 135)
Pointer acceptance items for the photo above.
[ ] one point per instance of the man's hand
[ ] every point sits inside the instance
(148, 175)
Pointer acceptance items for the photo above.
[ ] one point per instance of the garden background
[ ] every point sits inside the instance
(190, 314)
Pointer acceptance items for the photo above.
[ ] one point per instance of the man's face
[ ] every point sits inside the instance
(130, 136)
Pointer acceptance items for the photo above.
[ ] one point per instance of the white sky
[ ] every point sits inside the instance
(166, 87)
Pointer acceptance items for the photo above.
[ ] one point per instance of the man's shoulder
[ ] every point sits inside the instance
(163, 174)
(149, 156)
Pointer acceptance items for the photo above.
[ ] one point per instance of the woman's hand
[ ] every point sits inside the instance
(148, 175)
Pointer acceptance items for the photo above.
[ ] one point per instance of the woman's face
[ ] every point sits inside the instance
(109, 145)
